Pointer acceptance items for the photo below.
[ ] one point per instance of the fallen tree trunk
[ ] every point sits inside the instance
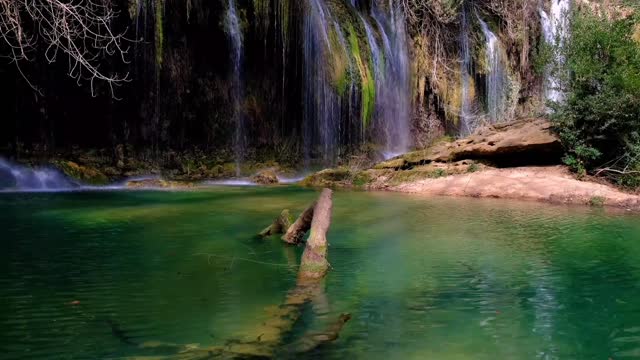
(266, 340)
(296, 232)
(314, 264)
(312, 341)
(279, 226)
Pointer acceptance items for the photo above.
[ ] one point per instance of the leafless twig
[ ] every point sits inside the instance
(80, 29)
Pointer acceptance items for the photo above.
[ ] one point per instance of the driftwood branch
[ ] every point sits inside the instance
(312, 341)
(279, 226)
(615, 171)
(296, 232)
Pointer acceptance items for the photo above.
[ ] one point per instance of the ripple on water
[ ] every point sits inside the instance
(422, 277)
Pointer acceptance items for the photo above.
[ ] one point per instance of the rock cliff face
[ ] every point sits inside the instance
(520, 143)
(501, 161)
(525, 142)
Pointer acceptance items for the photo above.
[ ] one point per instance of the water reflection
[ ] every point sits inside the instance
(422, 277)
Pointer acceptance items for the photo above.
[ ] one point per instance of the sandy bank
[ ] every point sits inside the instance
(545, 183)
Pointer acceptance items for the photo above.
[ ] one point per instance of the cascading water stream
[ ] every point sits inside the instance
(377, 59)
(393, 101)
(497, 81)
(555, 28)
(322, 111)
(333, 63)
(467, 118)
(235, 36)
(16, 177)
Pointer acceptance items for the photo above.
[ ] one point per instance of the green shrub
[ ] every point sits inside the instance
(599, 122)
(473, 168)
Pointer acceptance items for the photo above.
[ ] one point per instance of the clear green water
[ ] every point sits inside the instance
(422, 277)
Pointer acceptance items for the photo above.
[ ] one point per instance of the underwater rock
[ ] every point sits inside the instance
(265, 177)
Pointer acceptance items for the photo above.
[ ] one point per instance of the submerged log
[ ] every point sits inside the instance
(279, 226)
(267, 339)
(312, 341)
(314, 264)
(296, 232)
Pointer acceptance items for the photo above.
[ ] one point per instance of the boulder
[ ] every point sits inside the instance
(524, 142)
(265, 177)
(158, 184)
(331, 178)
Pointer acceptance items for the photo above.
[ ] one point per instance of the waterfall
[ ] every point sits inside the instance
(325, 76)
(338, 83)
(15, 177)
(237, 91)
(555, 28)
(467, 119)
(377, 58)
(393, 92)
(497, 81)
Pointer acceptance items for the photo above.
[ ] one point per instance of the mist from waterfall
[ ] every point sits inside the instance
(555, 28)
(497, 81)
(237, 91)
(22, 178)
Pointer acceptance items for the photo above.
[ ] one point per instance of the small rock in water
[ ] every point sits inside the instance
(265, 177)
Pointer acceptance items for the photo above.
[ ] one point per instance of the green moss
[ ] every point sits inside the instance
(84, 174)
(133, 9)
(328, 178)
(361, 179)
(405, 176)
(159, 33)
(367, 83)
(437, 173)
(339, 63)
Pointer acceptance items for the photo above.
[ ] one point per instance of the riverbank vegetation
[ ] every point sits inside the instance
(349, 83)
(599, 121)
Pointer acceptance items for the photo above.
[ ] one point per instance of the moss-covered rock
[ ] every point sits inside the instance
(391, 164)
(159, 184)
(265, 177)
(331, 178)
(82, 173)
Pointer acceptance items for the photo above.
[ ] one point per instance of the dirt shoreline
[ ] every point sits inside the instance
(552, 184)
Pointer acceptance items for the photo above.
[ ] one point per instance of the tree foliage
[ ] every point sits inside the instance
(599, 122)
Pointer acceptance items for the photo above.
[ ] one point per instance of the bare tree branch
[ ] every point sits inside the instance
(79, 29)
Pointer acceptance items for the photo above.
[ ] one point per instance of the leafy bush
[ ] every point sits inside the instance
(599, 121)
